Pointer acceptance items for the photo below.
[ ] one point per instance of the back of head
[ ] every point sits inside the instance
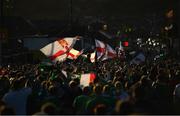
(77, 81)
(16, 85)
(124, 108)
(48, 108)
(4, 85)
(144, 70)
(39, 113)
(53, 90)
(7, 111)
(86, 90)
(138, 92)
(106, 89)
(144, 81)
(100, 109)
(2, 103)
(97, 89)
(118, 85)
(162, 76)
(72, 84)
(4, 80)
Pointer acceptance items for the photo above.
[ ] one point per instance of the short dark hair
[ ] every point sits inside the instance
(100, 109)
(16, 85)
(7, 111)
(49, 108)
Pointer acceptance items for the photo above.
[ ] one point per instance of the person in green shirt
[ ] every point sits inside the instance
(80, 101)
(97, 99)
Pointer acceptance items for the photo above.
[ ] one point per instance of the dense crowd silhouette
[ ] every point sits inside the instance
(119, 88)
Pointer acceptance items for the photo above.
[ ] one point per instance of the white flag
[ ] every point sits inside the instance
(100, 48)
(86, 79)
(92, 57)
(56, 51)
(110, 53)
(121, 52)
(73, 54)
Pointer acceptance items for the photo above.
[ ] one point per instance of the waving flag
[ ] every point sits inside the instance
(100, 48)
(57, 50)
(86, 79)
(110, 53)
(73, 54)
(92, 57)
(121, 52)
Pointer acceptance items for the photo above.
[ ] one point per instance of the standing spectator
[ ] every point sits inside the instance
(17, 97)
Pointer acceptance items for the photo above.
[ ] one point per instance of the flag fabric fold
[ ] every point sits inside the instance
(74, 54)
(62, 49)
(110, 53)
(57, 50)
(92, 57)
(121, 52)
(100, 49)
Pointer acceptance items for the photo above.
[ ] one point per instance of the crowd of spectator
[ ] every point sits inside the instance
(119, 88)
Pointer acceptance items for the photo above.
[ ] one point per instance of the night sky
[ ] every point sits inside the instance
(59, 9)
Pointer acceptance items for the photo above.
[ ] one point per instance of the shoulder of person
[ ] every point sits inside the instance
(27, 90)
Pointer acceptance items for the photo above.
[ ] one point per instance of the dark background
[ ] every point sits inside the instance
(52, 17)
(59, 9)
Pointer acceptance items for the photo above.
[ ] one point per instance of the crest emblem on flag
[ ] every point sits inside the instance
(63, 43)
(57, 50)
